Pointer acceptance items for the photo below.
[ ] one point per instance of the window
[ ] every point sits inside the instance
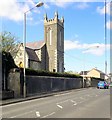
(60, 66)
(54, 70)
(60, 38)
(50, 37)
(20, 54)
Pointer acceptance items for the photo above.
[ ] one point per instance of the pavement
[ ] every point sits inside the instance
(15, 100)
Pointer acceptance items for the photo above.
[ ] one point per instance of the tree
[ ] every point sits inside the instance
(9, 43)
(10, 47)
(72, 72)
(7, 65)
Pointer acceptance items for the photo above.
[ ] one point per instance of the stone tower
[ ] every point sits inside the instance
(54, 39)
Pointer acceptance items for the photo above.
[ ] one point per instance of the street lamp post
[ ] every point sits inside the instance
(39, 4)
(105, 40)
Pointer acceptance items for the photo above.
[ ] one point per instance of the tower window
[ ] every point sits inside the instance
(60, 38)
(60, 66)
(54, 70)
(50, 37)
(20, 54)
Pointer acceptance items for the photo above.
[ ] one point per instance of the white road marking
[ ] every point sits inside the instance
(75, 103)
(48, 115)
(60, 106)
(37, 113)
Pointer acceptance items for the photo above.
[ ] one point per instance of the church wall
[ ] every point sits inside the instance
(20, 57)
(35, 65)
(43, 56)
(38, 52)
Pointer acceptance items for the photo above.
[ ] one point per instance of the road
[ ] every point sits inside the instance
(85, 103)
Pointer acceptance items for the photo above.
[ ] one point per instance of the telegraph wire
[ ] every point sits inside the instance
(77, 58)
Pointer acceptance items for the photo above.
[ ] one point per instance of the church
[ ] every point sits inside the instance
(47, 54)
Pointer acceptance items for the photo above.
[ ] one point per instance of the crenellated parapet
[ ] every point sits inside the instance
(54, 20)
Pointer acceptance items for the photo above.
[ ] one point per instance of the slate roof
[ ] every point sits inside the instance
(32, 55)
(35, 45)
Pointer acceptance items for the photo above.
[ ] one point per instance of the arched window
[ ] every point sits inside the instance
(50, 37)
(60, 37)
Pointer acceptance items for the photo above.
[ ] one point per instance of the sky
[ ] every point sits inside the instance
(84, 28)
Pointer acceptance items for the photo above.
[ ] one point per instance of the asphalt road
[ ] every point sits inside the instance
(86, 103)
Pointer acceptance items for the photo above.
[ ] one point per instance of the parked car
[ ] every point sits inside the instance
(110, 84)
(103, 84)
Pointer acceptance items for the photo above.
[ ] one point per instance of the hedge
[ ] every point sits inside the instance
(47, 73)
(97, 78)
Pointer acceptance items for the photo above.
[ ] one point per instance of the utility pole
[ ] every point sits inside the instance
(105, 40)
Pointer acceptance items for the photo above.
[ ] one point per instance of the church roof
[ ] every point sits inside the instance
(35, 45)
(32, 55)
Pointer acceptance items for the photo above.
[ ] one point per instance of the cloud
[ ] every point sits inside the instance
(14, 10)
(69, 45)
(66, 3)
(109, 25)
(61, 3)
(11, 9)
(46, 6)
(95, 48)
(101, 10)
(82, 5)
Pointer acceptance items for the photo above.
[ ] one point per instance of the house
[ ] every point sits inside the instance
(83, 74)
(96, 73)
(47, 54)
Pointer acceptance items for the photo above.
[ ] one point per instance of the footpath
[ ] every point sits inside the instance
(15, 100)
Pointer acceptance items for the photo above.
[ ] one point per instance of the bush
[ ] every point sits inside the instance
(97, 78)
(47, 73)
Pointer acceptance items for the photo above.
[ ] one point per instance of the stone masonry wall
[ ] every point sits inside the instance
(36, 85)
(39, 84)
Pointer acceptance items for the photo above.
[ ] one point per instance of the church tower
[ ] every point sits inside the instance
(54, 39)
